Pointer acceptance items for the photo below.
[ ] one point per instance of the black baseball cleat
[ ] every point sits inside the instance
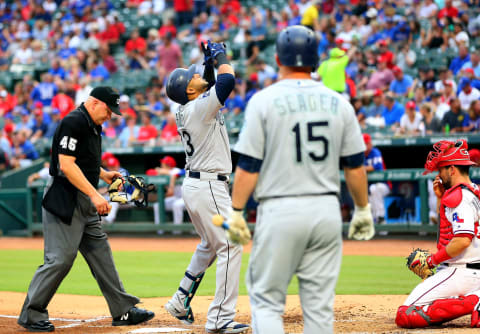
(40, 326)
(132, 317)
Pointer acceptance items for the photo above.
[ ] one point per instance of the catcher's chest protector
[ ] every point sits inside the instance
(451, 199)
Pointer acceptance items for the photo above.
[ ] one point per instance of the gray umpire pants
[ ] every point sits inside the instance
(295, 236)
(61, 245)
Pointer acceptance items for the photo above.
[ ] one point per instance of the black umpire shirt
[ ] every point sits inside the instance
(77, 135)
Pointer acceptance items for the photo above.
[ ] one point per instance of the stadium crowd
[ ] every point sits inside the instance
(409, 67)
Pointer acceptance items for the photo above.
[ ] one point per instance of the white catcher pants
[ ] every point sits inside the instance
(448, 282)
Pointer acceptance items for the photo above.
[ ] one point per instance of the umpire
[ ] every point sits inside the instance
(71, 217)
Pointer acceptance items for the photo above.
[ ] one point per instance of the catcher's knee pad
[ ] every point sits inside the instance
(441, 310)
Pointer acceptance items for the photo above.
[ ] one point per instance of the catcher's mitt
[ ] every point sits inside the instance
(140, 191)
(418, 263)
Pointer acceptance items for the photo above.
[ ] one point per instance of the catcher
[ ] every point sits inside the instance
(454, 290)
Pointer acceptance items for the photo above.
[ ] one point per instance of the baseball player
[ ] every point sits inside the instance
(205, 188)
(296, 134)
(455, 289)
(378, 190)
(70, 216)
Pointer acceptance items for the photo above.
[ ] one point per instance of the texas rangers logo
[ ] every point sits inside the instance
(456, 218)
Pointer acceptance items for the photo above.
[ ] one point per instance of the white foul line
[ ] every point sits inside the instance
(76, 322)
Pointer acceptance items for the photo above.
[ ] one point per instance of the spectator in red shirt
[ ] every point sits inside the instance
(183, 9)
(169, 131)
(448, 11)
(107, 58)
(386, 53)
(168, 26)
(170, 54)
(5, 106)
(135, 43)
(147, 132)
(63, 102)
(124, 107)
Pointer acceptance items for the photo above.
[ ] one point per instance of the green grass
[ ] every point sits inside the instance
(154, 274)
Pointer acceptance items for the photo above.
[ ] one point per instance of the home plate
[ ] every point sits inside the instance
(160, 330)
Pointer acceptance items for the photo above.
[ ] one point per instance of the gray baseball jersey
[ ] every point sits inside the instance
(204, 135)
(300, 129)
(309, 128)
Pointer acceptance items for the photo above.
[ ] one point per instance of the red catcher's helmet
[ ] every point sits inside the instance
(447, 153)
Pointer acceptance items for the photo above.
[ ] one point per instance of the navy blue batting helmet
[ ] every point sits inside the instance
(177, 84)
(297, 46)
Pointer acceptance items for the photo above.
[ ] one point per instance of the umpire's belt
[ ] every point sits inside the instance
(207, 176)
(463, 265)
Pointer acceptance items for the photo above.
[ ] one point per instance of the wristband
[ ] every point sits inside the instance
(440, 256)
(236, 209)
(221, 59)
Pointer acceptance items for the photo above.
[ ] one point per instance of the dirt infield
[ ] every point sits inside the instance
(353, 314)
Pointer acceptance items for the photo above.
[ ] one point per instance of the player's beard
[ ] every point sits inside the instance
(447, 182)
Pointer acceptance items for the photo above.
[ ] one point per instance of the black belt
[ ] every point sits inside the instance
(468, 265)
(196, 175)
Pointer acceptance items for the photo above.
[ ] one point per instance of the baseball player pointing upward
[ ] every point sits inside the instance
(295, 134)
(205, 188)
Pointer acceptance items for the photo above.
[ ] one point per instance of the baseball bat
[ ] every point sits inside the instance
(217, 220)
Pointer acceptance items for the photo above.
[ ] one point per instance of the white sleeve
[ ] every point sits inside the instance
(352, 141)
(251, 141)
(207, 105)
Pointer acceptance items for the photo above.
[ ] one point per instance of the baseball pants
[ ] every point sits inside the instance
(61, 245)
(378, 191)
(203, 200)
(295, 236)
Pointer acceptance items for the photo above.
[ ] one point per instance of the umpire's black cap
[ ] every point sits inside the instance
(109, 96)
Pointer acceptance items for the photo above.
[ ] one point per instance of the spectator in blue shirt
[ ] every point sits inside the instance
(23, 150)
(458, 62)
(393, 111)
(39, 125)
(97, 72)
(52, 126)
(401, 32)
(56, 69)
(235, 103)
(45, 90)
(473, 63)
(342, 11)
(378, 191)
(402, 83)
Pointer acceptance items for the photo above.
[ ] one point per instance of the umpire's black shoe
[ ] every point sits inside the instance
(132, 317)
(40, 326)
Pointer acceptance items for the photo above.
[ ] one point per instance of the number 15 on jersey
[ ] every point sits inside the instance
(308, 130)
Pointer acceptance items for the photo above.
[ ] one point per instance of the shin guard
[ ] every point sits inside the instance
(440, 311)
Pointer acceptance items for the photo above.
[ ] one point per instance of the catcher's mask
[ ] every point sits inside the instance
(447, 153)
(140, 193)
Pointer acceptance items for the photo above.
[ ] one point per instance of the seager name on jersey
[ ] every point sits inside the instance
(313, 102)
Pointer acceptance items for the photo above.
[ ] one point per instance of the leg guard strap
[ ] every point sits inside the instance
(192, 289)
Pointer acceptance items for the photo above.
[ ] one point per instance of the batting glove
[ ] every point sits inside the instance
(361, 226)
(217, 48)
(238, 232)
(207, 54)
